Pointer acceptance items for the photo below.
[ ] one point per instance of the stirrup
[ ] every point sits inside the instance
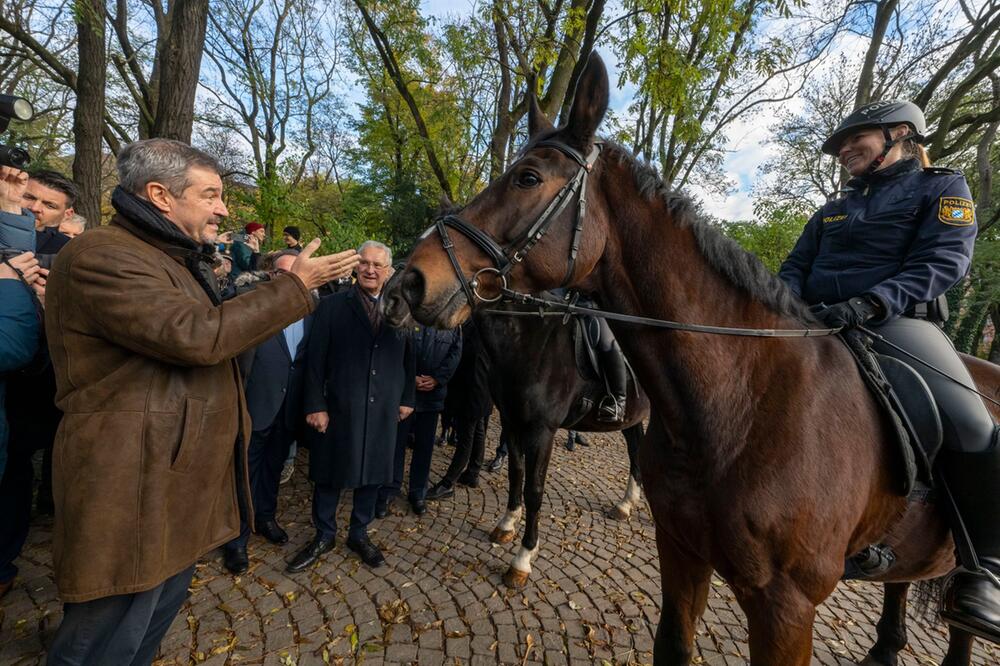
(611, 409)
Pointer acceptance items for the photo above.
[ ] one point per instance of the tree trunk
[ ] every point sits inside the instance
(88, 116)
(883, 14)
(178, 66)
(504, 124)
(395, 73)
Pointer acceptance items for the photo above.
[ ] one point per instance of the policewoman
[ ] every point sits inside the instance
(882, 253)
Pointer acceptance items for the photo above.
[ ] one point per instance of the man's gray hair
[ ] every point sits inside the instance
(163, 161)
(78, 219)
(379, 246)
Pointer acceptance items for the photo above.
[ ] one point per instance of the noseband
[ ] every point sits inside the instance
(506, 257)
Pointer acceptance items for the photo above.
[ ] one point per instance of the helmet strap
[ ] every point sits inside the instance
(889, 143)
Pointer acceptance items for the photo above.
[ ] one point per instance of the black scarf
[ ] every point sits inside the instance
(144, 220)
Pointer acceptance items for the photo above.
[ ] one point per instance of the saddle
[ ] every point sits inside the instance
(906, 399)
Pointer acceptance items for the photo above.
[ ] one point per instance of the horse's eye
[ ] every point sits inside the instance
(528, 179)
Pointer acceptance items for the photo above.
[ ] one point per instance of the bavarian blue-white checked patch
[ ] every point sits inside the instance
(956, 211)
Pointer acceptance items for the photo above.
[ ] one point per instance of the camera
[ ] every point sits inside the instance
(19, 236)
(14, 108)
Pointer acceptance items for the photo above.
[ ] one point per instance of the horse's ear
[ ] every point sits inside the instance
(444, 204)
(590, 103)
(537, 122)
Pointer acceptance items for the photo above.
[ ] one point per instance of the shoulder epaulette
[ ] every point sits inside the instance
(944, 171)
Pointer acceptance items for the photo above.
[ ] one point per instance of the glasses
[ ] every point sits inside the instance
(371, 264)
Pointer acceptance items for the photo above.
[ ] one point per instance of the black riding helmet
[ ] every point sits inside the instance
(884, 114)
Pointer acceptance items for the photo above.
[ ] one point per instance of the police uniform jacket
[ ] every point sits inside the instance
(903, 235)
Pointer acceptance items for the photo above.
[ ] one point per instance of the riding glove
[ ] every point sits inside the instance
(850, 313)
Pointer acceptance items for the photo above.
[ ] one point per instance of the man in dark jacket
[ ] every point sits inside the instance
(50, 196)
(437, 355)
(32, 414)
(471, 404)
(273, 376)
(359, 385)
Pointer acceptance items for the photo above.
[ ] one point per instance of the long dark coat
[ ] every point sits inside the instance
(469, 388)
(360, 379)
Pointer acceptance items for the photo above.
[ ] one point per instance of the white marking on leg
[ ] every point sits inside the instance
(510, 520)
(522, 562)
(632, 494)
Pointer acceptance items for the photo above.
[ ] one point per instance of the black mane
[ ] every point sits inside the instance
(742, 268)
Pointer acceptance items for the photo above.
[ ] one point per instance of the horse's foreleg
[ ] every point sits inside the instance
(780, 622)
(891, 628)
(633, 490)
(506, 529)
(538, 452)
(685, 583)
(959, 648)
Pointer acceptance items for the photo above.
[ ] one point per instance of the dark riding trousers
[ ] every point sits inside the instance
(967, 424)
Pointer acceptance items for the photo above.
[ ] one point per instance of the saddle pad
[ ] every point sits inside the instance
(918, 407)
(882, 391)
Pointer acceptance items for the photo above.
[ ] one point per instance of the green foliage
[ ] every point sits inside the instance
(772, 238)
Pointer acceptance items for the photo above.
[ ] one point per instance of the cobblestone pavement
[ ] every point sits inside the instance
(592, 599)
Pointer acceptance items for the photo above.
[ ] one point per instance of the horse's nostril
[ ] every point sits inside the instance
(412, 286)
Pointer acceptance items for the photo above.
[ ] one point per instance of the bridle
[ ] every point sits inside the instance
(506, 257)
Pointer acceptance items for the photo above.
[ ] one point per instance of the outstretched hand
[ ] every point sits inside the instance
(317, 271)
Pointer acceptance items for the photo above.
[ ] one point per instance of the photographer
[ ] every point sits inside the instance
(19, 339)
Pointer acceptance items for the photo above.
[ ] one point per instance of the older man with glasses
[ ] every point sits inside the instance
(359, 385)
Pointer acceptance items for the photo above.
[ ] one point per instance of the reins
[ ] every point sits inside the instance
(548, 308)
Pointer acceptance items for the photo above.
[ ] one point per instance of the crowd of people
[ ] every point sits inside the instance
(162, 367)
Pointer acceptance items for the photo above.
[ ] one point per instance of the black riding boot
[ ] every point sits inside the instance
(612, 408)
(971, 600)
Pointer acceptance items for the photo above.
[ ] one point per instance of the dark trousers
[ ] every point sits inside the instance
(324, 510)
(123, 629)
(15, 507)
(470, 444)
(265, 458)
(423, 426)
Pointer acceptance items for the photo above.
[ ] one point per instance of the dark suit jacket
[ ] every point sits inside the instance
(273, 379)
(360, 379)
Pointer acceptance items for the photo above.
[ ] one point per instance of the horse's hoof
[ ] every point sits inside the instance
(515, 578)
(873, 661)
(500, 536)
(618, 513)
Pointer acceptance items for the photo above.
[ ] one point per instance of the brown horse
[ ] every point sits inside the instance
(766, 459)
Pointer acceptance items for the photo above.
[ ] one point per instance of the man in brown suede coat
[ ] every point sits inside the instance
(150, 458)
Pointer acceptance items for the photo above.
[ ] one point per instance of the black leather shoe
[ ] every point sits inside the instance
(369, 552)
(440, 490)
(382, 508)
(971, 602)
(497, 462)
(305, 557)
(468, 480)
(580, 439)
(419, 506)
(271, 530)
(236, 560)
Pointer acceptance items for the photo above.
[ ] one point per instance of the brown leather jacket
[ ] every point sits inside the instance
(145, 460)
